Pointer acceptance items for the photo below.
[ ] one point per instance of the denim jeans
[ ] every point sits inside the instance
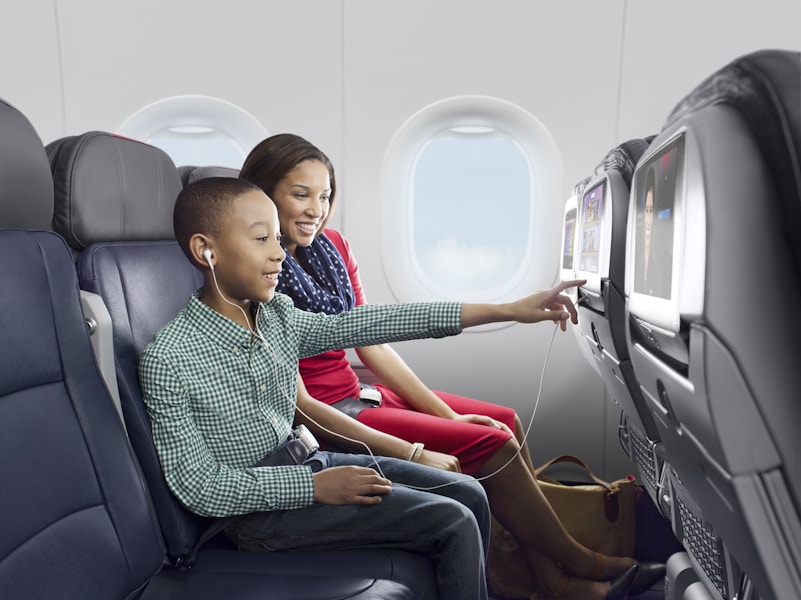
(450, 524)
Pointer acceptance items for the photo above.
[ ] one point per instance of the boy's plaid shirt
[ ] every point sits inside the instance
(219, 399)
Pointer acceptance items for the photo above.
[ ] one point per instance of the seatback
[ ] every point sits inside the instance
(76, 518)
(568, 262)
(718, 370)
(108, 189)
(136, 203)
(601, 222)
(26, 186)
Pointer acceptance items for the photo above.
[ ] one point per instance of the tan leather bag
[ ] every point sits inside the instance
(600, 515)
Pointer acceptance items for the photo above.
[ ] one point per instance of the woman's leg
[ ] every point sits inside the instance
(520, 436)
(517, 502)
(515, 497)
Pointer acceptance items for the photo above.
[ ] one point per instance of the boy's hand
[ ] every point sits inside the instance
(350, 485)
(548, 305)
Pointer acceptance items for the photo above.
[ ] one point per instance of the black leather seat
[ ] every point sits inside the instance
(144, 284)
(77, 516)
(716, 349)
(602, 313)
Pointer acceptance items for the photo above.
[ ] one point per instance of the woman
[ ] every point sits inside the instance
(321, 275)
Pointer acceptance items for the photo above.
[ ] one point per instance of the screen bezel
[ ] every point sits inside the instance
(567, 274)
(571, 212)
(657, 312)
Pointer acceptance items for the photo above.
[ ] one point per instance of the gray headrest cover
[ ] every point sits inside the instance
(109, 188)
(26, 185)
(190, 174)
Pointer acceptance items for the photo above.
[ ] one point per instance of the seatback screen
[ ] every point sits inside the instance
(655, 224)
(591, 213)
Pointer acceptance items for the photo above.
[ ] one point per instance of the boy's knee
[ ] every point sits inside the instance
(471, 496)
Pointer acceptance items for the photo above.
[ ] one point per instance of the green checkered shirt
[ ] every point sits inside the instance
(219, 401)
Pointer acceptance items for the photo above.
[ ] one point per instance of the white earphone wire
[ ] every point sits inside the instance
(436, 487)
(255, 331)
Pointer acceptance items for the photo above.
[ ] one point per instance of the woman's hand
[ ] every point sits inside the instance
(438, 460)
(483, 420)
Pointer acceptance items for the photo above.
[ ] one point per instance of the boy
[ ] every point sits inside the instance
(220, 382)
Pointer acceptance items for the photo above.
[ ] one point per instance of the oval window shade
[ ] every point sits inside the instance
(469, 206)
(196, 130)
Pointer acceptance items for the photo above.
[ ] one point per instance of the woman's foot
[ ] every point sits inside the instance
(649, 573)
(564, 587)
(606, 568)
(571, 588)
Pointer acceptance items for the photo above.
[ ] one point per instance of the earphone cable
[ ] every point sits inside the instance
(255, 331)
(436, 487)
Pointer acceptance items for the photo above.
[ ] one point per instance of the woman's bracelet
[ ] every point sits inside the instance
(415, 452)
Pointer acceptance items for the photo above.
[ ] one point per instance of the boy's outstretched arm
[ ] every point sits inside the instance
(546, 305)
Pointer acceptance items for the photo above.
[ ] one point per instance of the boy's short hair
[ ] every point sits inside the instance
(203, 205)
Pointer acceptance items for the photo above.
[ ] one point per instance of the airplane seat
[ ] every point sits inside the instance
(567, 267)
(131, 260)
(594, 248)
(77, 522)
(602, 219)
(713, 238)
(191, 173)
(77, 519)
(26, 186)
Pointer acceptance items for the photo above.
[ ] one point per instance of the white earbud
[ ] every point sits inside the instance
(207, 255)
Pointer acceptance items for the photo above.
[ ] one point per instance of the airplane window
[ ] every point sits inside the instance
(468, 208)
(196, 130)
(471, 212)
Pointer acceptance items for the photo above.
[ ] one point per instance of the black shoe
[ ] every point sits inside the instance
(649, 574)
(621, 586)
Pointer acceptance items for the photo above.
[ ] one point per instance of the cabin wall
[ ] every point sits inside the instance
(347, 74)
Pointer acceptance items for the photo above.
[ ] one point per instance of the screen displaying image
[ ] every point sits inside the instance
(591, 211)
(656, 199)
(570, 231)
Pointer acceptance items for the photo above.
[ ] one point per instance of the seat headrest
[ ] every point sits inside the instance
(623, 158)
(190, 173)
(579, 188)
(26, 185)
(765, 88)
(110, 188)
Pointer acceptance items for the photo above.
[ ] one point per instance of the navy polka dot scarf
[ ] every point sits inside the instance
(316, 278)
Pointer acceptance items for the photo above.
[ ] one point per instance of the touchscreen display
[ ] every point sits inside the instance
(656, 199)
(591, 212)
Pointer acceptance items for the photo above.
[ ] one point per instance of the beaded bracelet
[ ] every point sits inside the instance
(415, 452)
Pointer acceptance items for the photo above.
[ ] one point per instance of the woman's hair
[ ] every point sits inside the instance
(274, 157)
